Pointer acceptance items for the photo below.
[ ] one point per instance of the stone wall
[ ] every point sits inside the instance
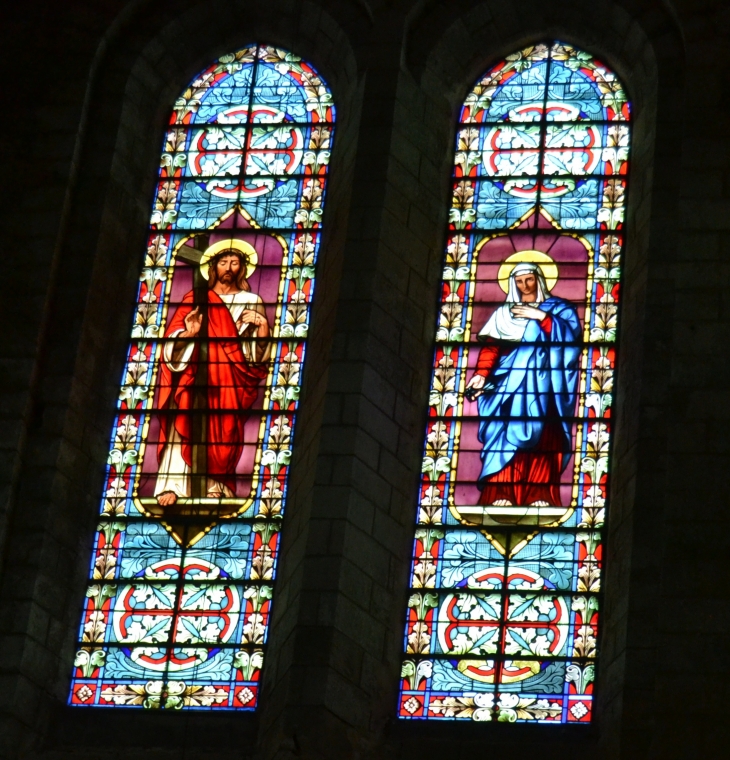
(95, 82)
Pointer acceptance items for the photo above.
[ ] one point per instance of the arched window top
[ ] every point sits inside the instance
(580, 88)
(246, 130)
(503, 616)
(551, 113)
(180, 588)
(286, 88)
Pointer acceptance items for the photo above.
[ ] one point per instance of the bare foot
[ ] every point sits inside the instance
(502, 503)
(540, 504)
(215, 495)
(166, 498)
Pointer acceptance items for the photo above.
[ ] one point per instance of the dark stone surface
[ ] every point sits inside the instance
(88, 87)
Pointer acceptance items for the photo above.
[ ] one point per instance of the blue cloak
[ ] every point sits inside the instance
(540, 372)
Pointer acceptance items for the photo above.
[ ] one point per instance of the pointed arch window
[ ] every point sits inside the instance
(503, 615)
(183, 561)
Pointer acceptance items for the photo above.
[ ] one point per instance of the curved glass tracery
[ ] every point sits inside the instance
(505, 602)
(183, 561)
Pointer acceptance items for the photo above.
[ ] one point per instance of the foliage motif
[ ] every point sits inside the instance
(477, 707)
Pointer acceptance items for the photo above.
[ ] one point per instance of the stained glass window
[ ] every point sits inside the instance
(505, 598)
(180, 587)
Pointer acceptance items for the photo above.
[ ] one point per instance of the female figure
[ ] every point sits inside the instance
(525, 383)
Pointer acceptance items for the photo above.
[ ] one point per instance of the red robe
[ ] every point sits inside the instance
(232, 386)
(532, 475)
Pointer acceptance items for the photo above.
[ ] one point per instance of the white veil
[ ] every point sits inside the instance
(502, 325)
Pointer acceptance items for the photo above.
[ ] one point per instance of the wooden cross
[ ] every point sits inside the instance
(199, 427)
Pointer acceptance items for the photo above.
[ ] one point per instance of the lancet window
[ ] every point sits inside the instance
(180, 589)
(505, 602)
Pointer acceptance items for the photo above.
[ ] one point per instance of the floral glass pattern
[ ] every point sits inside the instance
(505, 599)
(184, 558)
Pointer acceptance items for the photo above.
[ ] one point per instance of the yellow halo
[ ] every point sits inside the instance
(245, 249)
(548, 267)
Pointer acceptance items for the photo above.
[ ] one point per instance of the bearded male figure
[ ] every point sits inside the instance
(213, 361)
(525, 383)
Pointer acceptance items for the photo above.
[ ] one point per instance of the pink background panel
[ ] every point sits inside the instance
(265, 278)
(571, 256)
(244, 468)
(264, 281)
(567, 252)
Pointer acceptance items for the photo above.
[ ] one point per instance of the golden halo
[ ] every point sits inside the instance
(245, 249)
(548, 267)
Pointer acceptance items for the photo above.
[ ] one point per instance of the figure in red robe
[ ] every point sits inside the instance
(234, 363)
(525, 383)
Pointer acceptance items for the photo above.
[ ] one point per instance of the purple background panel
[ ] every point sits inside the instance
(569, 253)
(571, 256)
(265, 281)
